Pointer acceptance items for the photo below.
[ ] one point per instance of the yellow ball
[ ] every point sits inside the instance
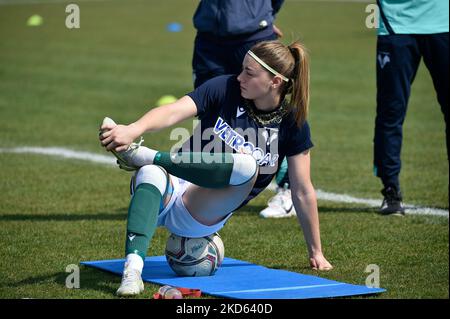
(166, 99)
(35, 21)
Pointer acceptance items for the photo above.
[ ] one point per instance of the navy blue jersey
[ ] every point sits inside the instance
(226, 127)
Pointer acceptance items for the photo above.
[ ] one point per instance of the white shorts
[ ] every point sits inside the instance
(177, 219)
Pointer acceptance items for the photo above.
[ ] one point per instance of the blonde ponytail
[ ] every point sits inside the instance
(300, 82)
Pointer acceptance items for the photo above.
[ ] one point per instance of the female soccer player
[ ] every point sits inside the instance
(248, 124)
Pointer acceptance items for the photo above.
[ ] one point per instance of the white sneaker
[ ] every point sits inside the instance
(125, 158)
(280, 205)
(132, 284)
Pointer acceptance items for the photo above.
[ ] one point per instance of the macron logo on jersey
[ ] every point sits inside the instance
(235, 140)
(240, 111)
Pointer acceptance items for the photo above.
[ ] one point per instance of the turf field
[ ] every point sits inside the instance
(57, 84)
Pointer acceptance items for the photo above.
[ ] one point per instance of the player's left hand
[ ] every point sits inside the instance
(318, 262)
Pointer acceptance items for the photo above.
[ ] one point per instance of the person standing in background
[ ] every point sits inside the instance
(226, 30)
(408, 31)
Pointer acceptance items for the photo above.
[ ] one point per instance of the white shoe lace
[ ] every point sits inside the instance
(133, 146)
(125, 157)
(130, 277)
(130, 280)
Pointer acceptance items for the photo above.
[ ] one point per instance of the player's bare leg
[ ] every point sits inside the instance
(209, 206)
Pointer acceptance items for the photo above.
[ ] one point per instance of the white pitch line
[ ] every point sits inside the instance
(321, 195)
(62, 152)
(343, 198)
(409, 209)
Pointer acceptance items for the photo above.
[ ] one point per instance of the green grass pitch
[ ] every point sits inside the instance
(57, 84)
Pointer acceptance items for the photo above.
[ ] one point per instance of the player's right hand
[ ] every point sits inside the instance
(117, 138)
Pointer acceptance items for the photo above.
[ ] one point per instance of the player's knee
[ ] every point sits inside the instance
(152, 174)
(245, 168)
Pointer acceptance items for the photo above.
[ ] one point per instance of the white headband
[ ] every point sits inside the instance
(267, 67)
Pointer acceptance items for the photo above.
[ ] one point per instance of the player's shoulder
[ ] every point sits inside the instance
(290, 119)
(290, 125)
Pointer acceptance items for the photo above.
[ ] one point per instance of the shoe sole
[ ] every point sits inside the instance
(141, 290)
(279, 216)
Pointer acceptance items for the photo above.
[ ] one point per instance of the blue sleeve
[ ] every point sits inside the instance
(276, 5)
(209, 95)
(299, 139)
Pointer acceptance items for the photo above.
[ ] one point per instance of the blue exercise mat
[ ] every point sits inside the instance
(242, 280)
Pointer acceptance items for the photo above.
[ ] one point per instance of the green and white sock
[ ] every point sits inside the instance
(204, 169)
(142, 219)
(209, 170)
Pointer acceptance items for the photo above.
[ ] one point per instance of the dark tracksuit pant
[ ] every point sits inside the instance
(398, 58)
(214, 56)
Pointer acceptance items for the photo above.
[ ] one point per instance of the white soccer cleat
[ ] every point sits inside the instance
(280, 205)
(125, 158)
(132, 284)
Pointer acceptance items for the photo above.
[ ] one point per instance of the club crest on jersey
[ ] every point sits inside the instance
(237, 141)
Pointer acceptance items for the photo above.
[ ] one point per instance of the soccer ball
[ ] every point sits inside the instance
(191, 257)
